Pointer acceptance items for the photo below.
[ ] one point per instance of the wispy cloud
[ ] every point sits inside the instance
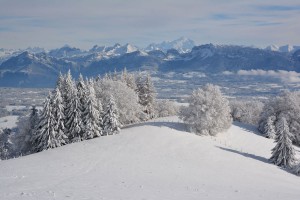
(278, 7)
(222, 16)
(285, 76)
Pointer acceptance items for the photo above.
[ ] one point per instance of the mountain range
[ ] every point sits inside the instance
(36, 67)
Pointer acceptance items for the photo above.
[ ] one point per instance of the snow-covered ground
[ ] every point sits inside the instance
(9, 121)
(152, 160)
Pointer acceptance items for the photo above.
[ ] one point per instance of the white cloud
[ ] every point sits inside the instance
(286, 76)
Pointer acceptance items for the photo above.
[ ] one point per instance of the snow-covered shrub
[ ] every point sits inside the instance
(286, 105)
(246, 111)
(125, 98)
(166, 108)
(208, 112)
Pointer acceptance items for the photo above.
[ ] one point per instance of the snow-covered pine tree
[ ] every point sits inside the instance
(81, 92)
(61, 83)
(73, 117)
(100, 110)
(49, 133)
(31, 129)
(111, 124)
(45, 133)
(59, 117)
(270, 127)
(283, 154)
(91, 115)
(146, 94)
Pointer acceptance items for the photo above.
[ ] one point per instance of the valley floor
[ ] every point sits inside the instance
(153, 160)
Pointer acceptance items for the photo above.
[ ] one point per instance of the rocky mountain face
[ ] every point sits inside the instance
(40, 69)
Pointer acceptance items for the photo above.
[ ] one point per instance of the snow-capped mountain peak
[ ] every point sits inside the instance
(285, 48)
(182, 45)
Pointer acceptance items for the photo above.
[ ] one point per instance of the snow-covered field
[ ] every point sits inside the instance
(153, 160)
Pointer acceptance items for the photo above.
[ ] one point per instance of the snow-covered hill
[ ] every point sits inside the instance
(153, 160)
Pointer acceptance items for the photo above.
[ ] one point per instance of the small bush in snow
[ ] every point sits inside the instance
(208, 112)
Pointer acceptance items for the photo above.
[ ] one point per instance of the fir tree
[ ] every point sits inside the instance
(73, 117)
(49, 133)
(59, 117)
(111, 124)
(31, 128)
(270, 128)
(91, 116)
(146, 94)
(283, 154)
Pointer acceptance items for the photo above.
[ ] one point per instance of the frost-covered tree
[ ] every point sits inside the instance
(128, 79)
(208, 112)
(246, 111)
(59, 117)
(111, 124)
(285, 105)
(61, 83)
(26, 129)
(73, 122)
(91, 116)
(146, 93)
(283, 154)
(50, 129)
(81, 92)
(166, 108)
(270, 127)
(5, 144)
(125, 98)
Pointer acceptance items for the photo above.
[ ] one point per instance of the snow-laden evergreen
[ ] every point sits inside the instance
(146, 94)
(50, 131)
(283, 154)
(91, 115)
(111, 124)
(208, 112)
(73, 120)
(270, 127)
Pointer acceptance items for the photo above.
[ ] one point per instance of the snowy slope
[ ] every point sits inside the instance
(154, 160)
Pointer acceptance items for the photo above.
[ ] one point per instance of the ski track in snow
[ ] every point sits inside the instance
(152, 160)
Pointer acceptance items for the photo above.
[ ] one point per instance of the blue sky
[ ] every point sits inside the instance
(54, 23)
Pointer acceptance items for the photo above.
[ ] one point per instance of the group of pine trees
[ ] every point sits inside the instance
(73, 111)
